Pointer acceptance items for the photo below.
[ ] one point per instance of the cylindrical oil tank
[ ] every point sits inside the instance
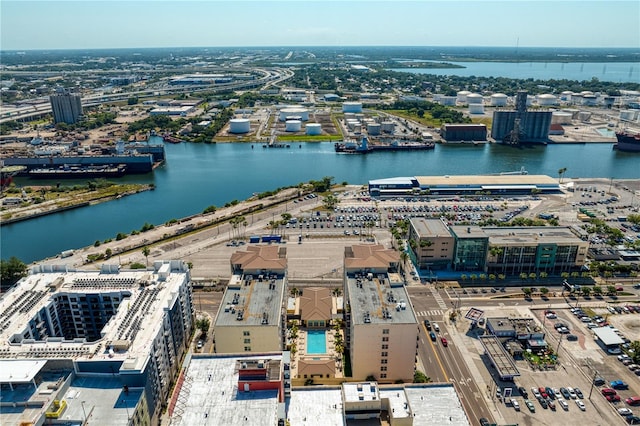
(566, 95)
(476, 108)
(627, 115)
(355, 107)
(561, 117)
(303, 113)
(474, 98)
(499, 99)
(349, 115)
(590, 100)
(584, 116)
(373, 128)
(461, 96)
(388, 126)
(448, 100)
(239, 125)
(546, 99)
(293, 125)
(314, 129)
(574, 112)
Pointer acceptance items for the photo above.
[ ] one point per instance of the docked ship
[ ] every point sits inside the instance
(627, 141)
(78, 172)
(363, 147)
(171, 139)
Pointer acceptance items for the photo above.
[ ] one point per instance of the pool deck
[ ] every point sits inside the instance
(301, 344)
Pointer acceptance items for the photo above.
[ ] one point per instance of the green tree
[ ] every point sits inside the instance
(597, 290)
(146, 251)
(420, 377)
(11, 271)
(527, 291)
(635, 347)
(586, 291)
(561, 173)
(544, 291)
(330, 202)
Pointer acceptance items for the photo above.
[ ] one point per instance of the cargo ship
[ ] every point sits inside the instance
(352, 147)
(71, 171)
(627, 141)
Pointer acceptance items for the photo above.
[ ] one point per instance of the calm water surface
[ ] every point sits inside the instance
(196, 176)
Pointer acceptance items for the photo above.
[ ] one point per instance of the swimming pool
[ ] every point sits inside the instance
(316, 342)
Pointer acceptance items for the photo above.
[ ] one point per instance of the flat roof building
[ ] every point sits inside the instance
(504, 184)
(132, 326)
(66, 108)
(431, 244)
(381, 325)
(252, 311)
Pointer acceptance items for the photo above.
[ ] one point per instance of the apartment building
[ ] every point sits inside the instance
(120, 333)
(252, 313)
(431, 244)
(381, 325)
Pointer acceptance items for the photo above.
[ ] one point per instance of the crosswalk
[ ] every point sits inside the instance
(432, 313)
(438, 298)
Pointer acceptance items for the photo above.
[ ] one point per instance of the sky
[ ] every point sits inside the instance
(49, 24)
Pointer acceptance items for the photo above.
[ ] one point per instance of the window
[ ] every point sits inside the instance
(385, 331)
(247, 348)
(383, 375)
(245, 333)
(383, 361)
(384, 354)
(385, 346)
(385, 339)
(383, 368)
(247, 341)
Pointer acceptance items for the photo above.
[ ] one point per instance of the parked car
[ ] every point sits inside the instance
(612, 398)
(484, 422)
(551, 405)
(549, 392)
(556, 393)
(633, 420)
(535, 392)
(619, 384)
(625, 411)
(599, 381)
(563, 404)
(515, 404)
(579, 393)
(633, 401)
(530, 405)
(523, 392)
(580, 405)
(565, 393)
(607, 391)
(543, 392)
(572, 393)
(572, 338)
(543, 402)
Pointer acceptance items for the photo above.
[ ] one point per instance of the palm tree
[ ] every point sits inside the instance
(146, 251)
(561, 172)
(544, 291)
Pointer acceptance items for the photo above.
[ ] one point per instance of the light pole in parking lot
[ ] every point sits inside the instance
(595, 374)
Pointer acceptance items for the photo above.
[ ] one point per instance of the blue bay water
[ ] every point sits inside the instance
(619, 72)
(196, 176)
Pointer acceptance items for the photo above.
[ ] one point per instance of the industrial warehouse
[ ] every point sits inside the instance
(504, 184)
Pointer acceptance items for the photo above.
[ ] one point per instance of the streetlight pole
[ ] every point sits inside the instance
(595, 374)
(84, 421)
(558, 348)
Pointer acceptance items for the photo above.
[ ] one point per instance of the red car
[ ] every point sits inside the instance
(613, 398)
(543, 392)
(608, 391)
(634, 400)
(444, 341)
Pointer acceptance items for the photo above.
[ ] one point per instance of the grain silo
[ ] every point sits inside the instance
(314, 129)
(498, 99)
(239, 125)
(293, 125)
(354, 107)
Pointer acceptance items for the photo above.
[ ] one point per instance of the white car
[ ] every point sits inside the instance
(435, 326)
(580, 405)
(563, 404)
(535, 392)
(572, 393)
(556, 393)
(515, 404)
(625, 411)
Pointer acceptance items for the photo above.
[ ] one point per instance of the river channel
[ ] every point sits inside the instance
(196, 176)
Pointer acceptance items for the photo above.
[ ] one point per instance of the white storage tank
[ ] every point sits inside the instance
(499, 99)
(293, 125)
(239, 125)
(546, 99)
(627, 115)
(561, 117)
(474, 98)
(302, 113)
(448, 100)
(461, 96)
(314, 129)
(574, 112)
(354, 107)
(590, 100)
(388, 126)
(349, 116)
(566, 95)
(476, 108)
(373, 128)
